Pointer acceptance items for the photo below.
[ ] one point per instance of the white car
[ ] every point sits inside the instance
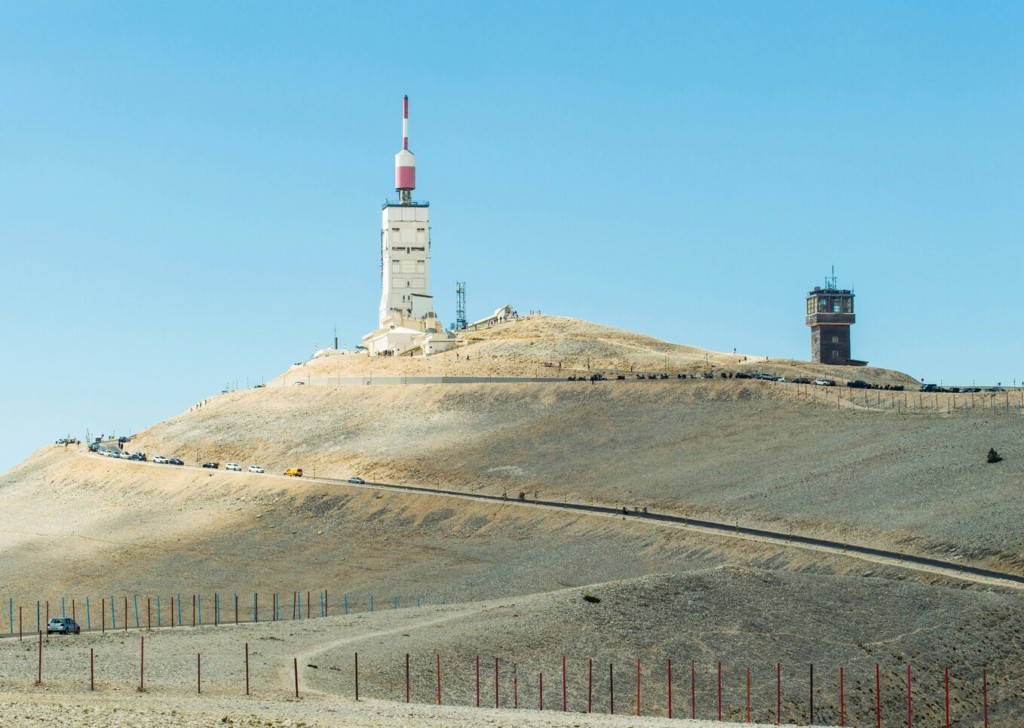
(233, 466)
(255, 469)
(160, 459)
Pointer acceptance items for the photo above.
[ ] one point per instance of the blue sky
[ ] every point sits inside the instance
(190, 191)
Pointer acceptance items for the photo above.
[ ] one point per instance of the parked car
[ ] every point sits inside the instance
(929, 388)
(233, 466)
(160, 459)
(858, 384)
(357, 480)
(175, 461)
(800, 380)
(255, 469)
(294, 472)
(741, 375)
(825, 382)
(62, 625)
(211, 465)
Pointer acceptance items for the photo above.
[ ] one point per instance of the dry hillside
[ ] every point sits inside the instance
(759, 453)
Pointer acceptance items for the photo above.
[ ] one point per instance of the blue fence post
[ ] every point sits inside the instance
(179, 609)
(10, 604)
(216, 609)
(346, 603)
(417, 601)
(300, 605)
(322, 605)
(88, 615)
(371, 601)
(157, 610)
(62, 612)
(136, 597)
(199, 601)
(277, 608)
(113, 615)
(396, 603)
(254, 605)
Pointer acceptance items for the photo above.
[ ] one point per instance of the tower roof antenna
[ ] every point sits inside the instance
(405, 161)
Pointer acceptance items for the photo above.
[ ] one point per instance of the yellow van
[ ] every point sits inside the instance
(294, 472)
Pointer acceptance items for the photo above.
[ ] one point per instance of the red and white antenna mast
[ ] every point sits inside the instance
(405, 161)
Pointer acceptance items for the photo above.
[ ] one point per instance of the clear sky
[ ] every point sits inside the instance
(190, 191)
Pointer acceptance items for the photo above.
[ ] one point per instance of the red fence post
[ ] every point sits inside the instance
(878, 697)
(565, 688)
(748, 693)
(812, 692)
(611, 689)
(590, 685)
(984, 694)
(40, 680)
(126, 614)
(910, 708)
(540, 691)
(92, 669)
(778, 693)
(670, 687)
(719, 690)
(638, 687)
(515, 686)
(842, 701)
(693, 690)
(439, 679)
(947, 696)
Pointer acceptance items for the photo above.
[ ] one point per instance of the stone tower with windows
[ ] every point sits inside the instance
(830, 316)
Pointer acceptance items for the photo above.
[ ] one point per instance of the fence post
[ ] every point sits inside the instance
(496, 702)
(478, 681)
(216, 609)
(40, 680)
(910, 709)
(10, 607)
(638, 687)
(693, 690)
(540, 691)
(878, 697)
(719, 691)
(407, 677)
(142, 663)
(811, 691)
(135, 597)
(842, 701)
(236, 607)
(515, 686)
(357, 677)
(984, 694)
(565, 688)
(92, 669)
(246, 668)
(126, 614)
(295, 662)
(438, 679)
(590, 685)
(199, 673)
(670, 687)
(778, 693)
(748, 693)
(157, 610)
(149, 613)
(611, 689)
(88, 614)
(947, 696)
(256, 607)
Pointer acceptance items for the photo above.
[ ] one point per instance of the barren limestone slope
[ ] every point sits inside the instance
(757, 452)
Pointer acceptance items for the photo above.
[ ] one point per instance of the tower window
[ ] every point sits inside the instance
(835, 339)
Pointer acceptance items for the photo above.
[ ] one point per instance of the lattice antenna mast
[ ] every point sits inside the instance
(460, 306)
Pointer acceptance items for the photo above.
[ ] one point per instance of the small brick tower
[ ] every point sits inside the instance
(830, 316)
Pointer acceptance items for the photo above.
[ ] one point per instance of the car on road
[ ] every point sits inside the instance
(858, 384)
(825, 382)
(255, 469)
(294, 472)
(62, 625)
(357, 480)
(233, 466)
(211, 465)
(175, 461)
(800, 380)
(160, 459)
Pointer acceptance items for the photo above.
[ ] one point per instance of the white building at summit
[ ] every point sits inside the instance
(407, 321)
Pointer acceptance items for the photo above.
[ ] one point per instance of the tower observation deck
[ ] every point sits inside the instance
(830, 315)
